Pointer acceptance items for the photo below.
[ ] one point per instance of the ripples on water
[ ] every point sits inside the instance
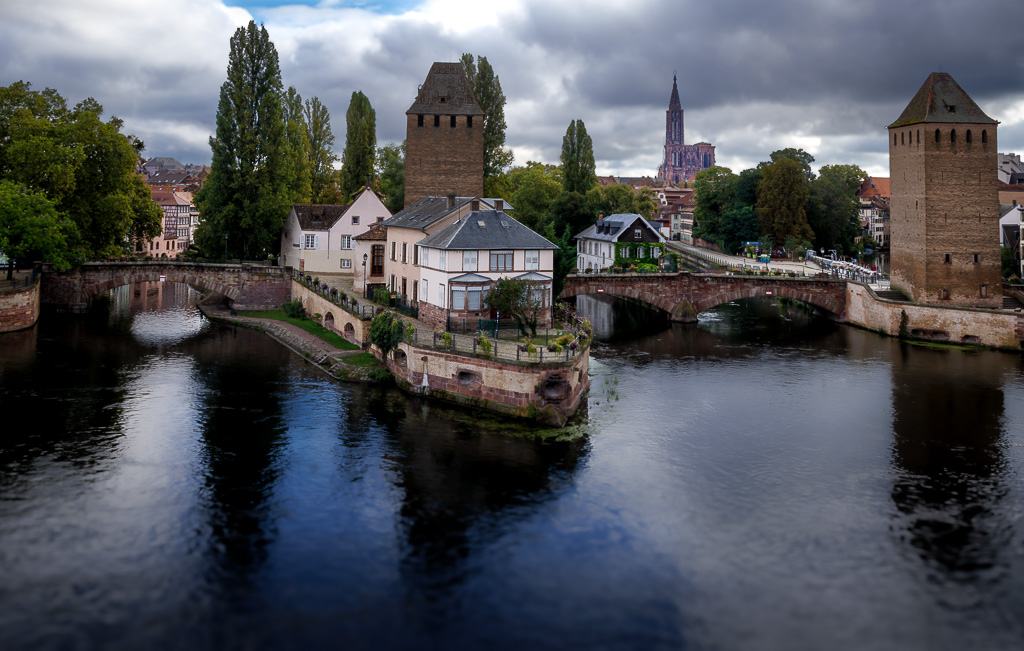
(761, 480)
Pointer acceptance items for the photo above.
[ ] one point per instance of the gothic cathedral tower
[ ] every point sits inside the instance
(681, 161)
(945, 198)
(444, 141)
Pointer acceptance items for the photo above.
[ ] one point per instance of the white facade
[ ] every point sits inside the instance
(438, 267)
(331, 249)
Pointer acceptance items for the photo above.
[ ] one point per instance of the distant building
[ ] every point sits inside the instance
(682, 162)
(1011, 170)
(945, 198)
(176, 224)
(444, 142)
(618, 237)
(873, 199)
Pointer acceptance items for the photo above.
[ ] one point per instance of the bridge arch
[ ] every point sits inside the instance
(684, 295)
(171, 275)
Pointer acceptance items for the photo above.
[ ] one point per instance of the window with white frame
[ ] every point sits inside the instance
(405, 249)
(394, 247)
(346, 242)
(355, 220)
(458, 298)
(440, 295)
(425, 255)
(474, 298)
(469, 260)
(346, 263)
(312, 241)
(442, 260)
(532, 260)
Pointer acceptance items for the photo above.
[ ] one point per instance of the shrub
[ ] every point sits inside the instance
(386, 331)
(294, 309)
(484, 346)
(381, 296)
(555, 348)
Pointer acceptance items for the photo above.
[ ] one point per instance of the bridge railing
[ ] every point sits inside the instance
(500, 349)
(350, 304)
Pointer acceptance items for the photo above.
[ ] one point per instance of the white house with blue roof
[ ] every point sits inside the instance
(463, 261)
(617, 237)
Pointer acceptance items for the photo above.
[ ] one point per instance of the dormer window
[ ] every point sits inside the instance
(636, 234)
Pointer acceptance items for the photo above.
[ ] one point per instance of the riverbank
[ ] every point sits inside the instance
(322, 355)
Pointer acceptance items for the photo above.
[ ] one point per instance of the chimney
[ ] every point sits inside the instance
(474, 205)
(600, 216)
(451, 200)
(499, 204)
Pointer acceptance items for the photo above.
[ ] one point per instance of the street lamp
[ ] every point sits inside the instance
(364, 275)
(225, 248)
(1020, 240)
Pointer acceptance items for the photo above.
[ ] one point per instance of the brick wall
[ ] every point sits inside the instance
(945, 200)
(444, 159)
(19, 309)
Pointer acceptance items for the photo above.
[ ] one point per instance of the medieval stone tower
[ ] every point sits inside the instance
(444, 141)
(681, 161)
(945, 198)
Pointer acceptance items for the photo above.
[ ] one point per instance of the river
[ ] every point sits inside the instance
(763, 480)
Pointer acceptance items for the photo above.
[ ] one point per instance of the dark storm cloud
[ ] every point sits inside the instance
(825, 75)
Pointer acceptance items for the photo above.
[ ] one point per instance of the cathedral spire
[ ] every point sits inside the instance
(673, 103)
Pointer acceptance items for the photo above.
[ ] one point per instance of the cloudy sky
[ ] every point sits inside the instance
(754, 76)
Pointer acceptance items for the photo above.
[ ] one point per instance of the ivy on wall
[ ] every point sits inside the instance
(628, 253)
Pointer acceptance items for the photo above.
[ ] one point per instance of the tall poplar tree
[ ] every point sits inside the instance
(578, 166)
(324, 181)
(360, 145)
(299, 153)
(246, 198)
(487, 90)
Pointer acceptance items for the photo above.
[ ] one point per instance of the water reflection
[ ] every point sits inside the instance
(948, 451)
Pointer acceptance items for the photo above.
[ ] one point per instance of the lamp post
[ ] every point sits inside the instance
(225, 248)
(364, 275)
(1020, 240)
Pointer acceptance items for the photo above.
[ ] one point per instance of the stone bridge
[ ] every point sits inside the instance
(245, 286)
(684, 295)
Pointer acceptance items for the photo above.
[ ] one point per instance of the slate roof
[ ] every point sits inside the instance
(376, 233)
(470, 278)
(615, 223)
(486, 229)
(165, 162)
(318, 216)
(532, 276)
(446, 91)
(423, 213)
(942, 100)
(167, 177)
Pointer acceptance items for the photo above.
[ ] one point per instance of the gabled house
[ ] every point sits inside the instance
(368, 255)
(461, 262)
(618, 240)
(407, 227)
(318, 237)
(176, 234)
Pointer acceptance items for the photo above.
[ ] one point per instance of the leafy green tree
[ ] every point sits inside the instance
(745, 188)
(798, 155)
(612, 199)
(578, 166)
(571, 210)
(244, 201)
(564, 257)
(516, 299)
(83, 165)
(487, 90)
(323, 176)
(739, 224)
(386, 332)
(781, 198)
(31, 226)
(645, 203)
(532, 190)
(360, 145)
(298, 155)
(832, 208)
(391, 175)
(713, 196)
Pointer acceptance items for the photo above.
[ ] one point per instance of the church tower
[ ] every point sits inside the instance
(945, 198)
(671, 168)
(681, 161)
(444, 137)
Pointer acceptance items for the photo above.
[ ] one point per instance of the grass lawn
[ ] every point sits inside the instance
(362, 359)
(312, 328)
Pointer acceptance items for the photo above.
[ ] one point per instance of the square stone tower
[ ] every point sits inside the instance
(444, 141)
(945, 198)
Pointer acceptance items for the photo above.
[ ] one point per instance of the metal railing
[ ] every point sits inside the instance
(350, 304)
(500, 349)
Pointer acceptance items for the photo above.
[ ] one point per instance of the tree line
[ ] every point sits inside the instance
(69, 190)
(780, 203)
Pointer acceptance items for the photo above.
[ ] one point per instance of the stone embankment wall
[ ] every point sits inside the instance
(346, 324)
(977, 326)
(549, 393)
(19, 308)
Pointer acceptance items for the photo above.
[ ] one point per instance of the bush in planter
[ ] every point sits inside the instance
(791, 274)
(484, 346)
(1013, 280)
(381, 296)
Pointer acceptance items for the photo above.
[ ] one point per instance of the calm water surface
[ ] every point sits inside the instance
(764, 480)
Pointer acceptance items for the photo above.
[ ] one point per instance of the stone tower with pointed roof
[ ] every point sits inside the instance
(945, 198)
(444, 141)
(681, 161)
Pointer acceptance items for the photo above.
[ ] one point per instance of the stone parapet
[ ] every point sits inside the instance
(19, 308)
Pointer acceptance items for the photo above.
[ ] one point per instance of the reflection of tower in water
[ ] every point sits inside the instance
(948, 414)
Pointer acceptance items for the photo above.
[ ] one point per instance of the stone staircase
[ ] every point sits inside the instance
(1012, 303)
(891, 294)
